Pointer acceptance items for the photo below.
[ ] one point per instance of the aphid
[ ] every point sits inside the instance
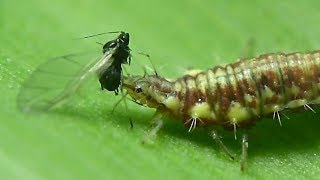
(232, 96)
(110, 77)
(54, 81)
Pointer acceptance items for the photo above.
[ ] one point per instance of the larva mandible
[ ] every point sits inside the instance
(234, 95)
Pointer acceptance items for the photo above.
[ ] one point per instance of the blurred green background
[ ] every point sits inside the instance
(83, 140)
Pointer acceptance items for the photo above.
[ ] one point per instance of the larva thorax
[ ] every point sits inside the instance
(235, 94)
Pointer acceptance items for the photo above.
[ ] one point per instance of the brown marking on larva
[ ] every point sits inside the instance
(316, 61)
(289, 76)
(314, 70)
(264, 81)
(236, 90)
(213, 93)
(247, 86)
(270, 79)
(182, 93)
(190, 96)
(202, 97)
(299, 77)
(161, 84)
(270, 76)
(287, 73)
(219, 99)
(226, 97)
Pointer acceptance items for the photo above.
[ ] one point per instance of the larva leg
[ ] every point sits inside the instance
(158, 123)
(216, 137)
(244, 154)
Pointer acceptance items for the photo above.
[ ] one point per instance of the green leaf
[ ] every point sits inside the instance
(83, 139)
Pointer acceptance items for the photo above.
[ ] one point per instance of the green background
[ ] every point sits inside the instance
(84, 140)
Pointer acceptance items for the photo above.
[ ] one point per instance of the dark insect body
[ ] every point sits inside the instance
(110, 79)
(234, 95)
(57, 79)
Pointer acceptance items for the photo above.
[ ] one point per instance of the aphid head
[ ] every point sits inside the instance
(148, 90)
(121, 41)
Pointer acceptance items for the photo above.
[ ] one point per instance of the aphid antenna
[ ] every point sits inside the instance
(99, 34)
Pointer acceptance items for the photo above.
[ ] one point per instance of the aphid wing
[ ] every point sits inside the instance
(57, 79)
(103, 64)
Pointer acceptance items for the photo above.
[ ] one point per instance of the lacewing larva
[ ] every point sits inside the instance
(232, 96)
(57, 79)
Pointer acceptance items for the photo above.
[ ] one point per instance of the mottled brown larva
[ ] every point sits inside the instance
(234, 95)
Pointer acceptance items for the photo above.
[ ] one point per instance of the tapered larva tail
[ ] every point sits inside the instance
(235, 94)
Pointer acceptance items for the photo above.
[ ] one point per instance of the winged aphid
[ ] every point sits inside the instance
(58, 78)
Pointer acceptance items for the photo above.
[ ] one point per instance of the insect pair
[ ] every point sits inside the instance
(233, 96)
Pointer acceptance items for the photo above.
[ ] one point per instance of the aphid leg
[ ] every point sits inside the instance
(225, 150)
(116, 92)
(306, 106)
(276, 113)
(244, 154)
(123, 98)
(158, 123)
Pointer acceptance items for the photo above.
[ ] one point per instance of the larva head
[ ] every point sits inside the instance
(148, 90)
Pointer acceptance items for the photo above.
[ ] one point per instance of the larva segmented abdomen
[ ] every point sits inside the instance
(244, 91)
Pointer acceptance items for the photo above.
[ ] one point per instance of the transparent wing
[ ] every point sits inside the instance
(59, 78)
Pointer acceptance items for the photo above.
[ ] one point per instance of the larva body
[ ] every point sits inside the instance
(234, 95)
